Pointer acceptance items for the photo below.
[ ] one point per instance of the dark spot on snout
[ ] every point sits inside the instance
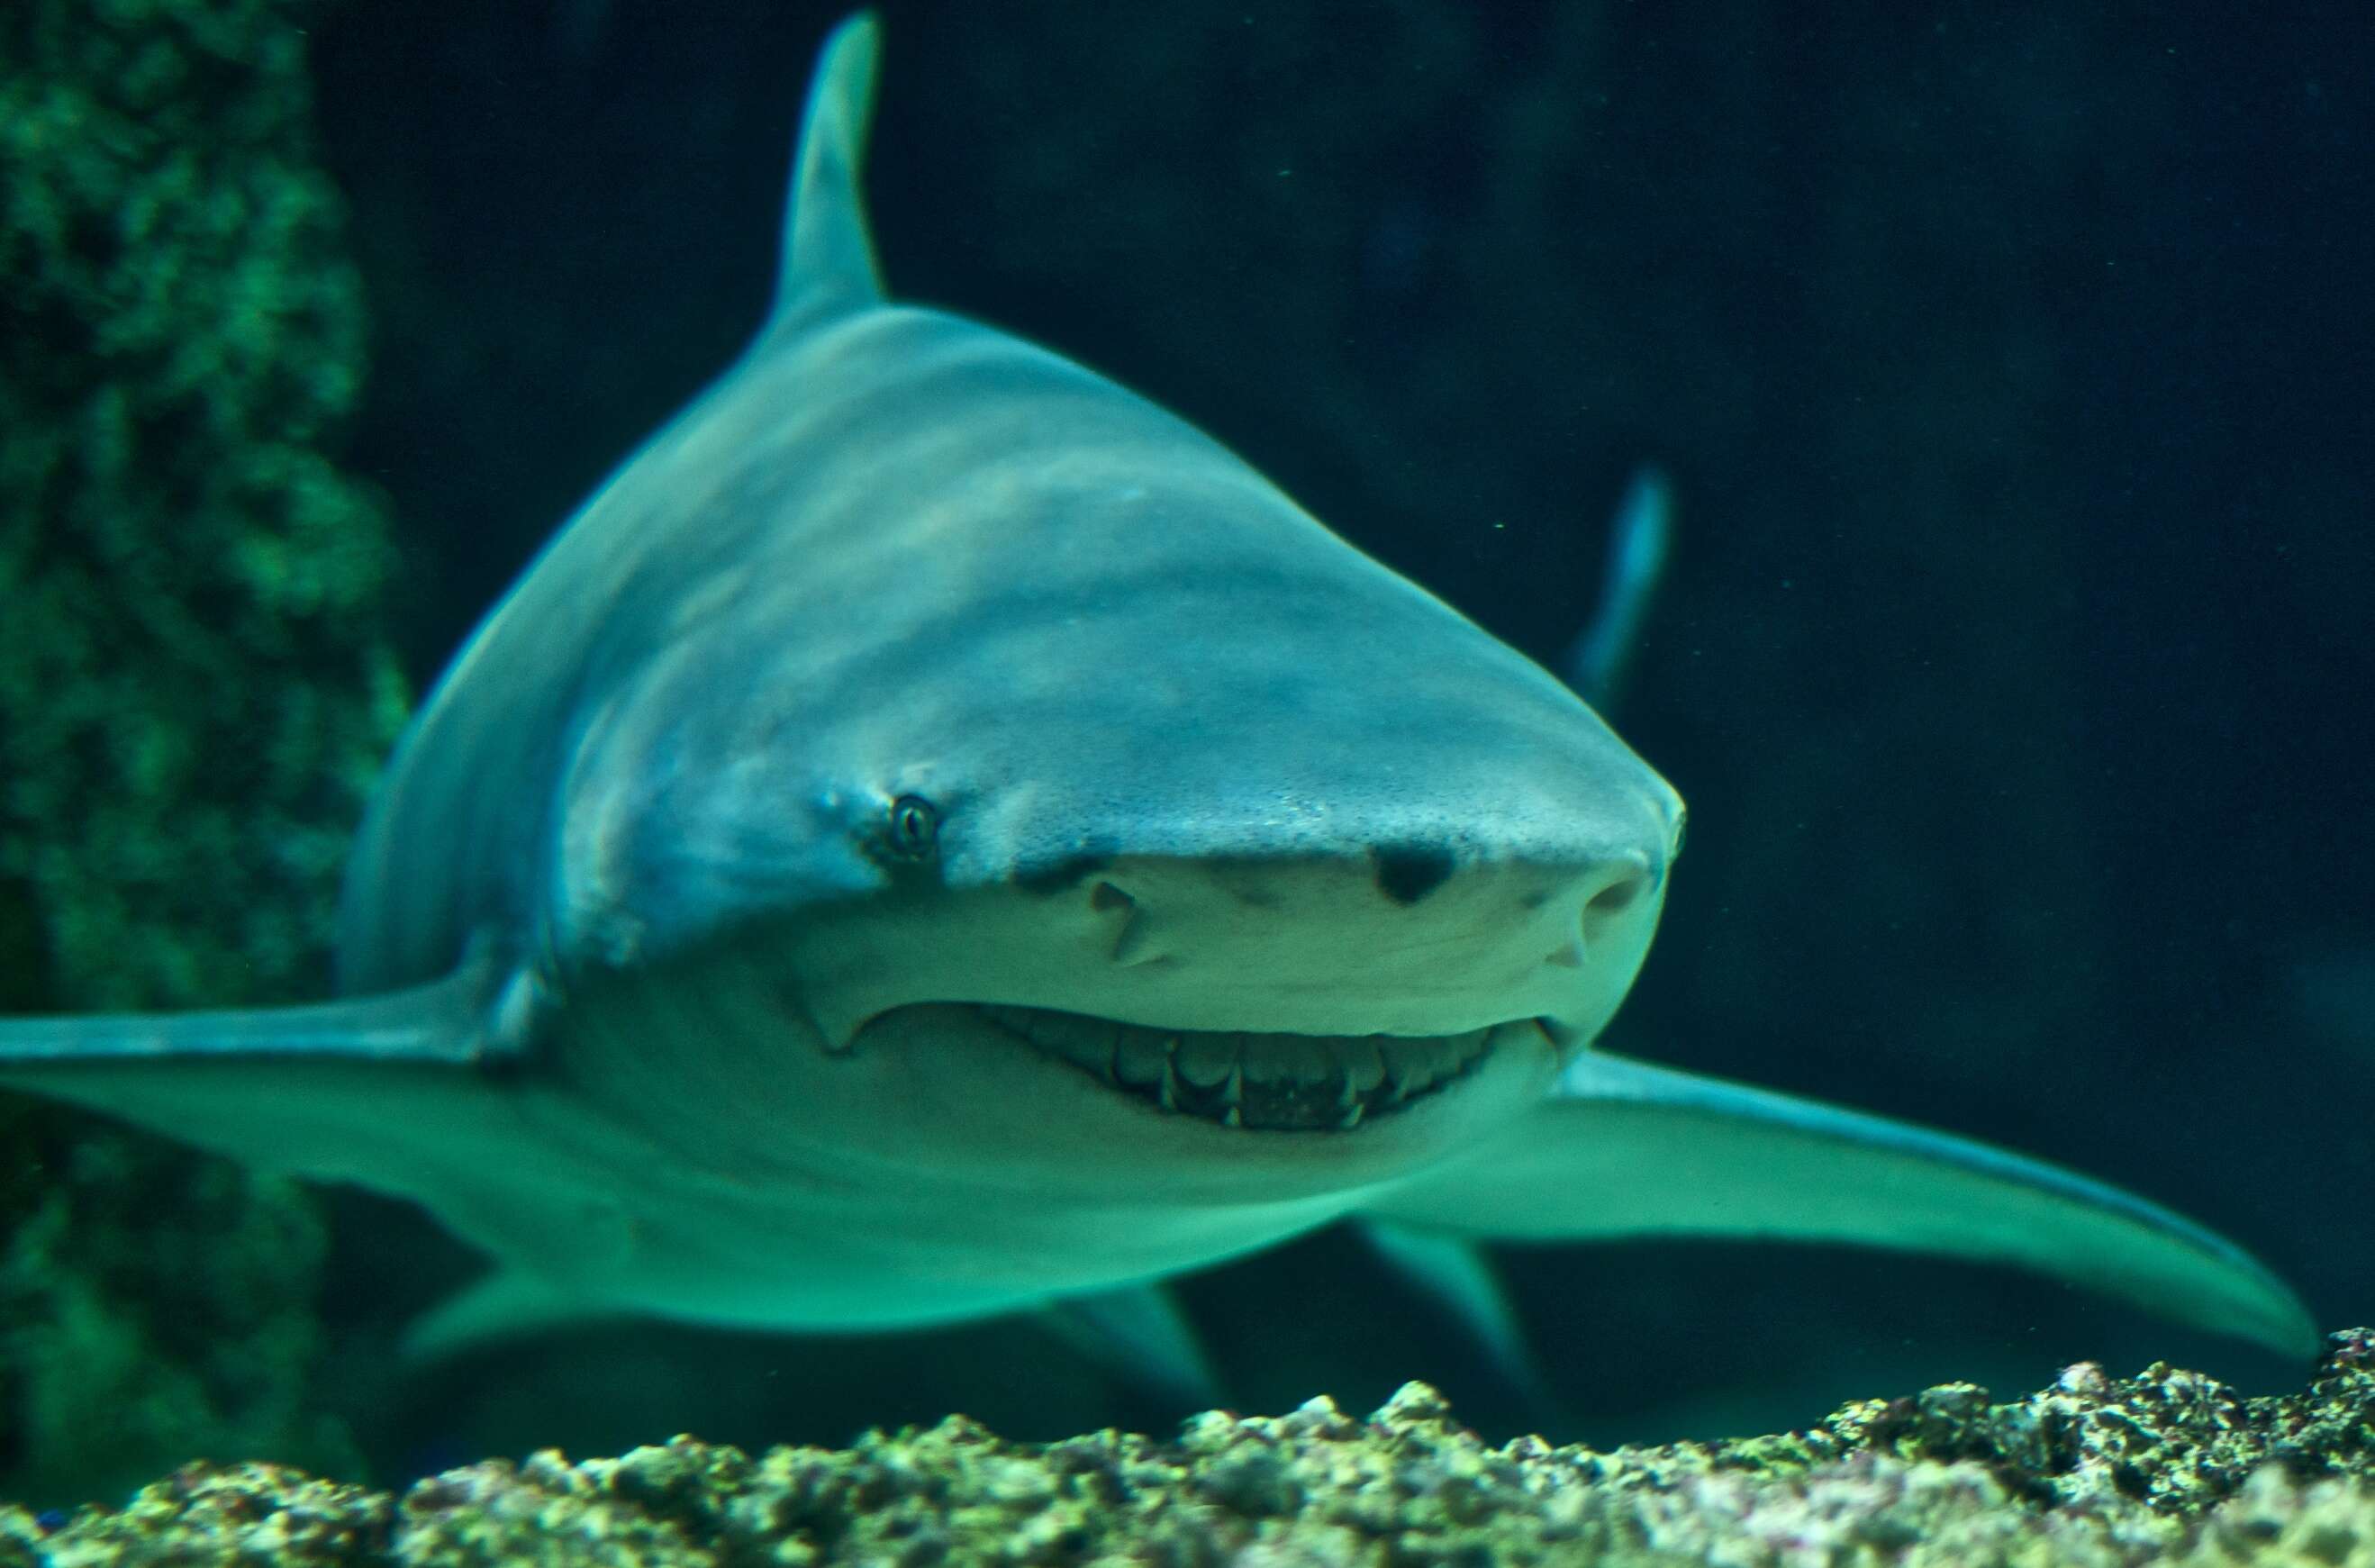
(1407, 873)
(1059, 875)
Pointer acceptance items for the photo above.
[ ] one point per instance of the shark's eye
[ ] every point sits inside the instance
(912, 829)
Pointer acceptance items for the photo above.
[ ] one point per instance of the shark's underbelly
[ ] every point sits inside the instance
(777, 1262)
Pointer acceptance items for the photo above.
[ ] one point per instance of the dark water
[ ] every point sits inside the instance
(2013, 367)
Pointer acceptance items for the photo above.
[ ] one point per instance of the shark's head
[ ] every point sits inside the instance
(1112, 794)
(1041, 788)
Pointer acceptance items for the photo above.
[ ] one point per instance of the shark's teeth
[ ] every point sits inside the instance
(1301, 1082)
(1363, 1062)
(1206, 1059)
(1138, 1057)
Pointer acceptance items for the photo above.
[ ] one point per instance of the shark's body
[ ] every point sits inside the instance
(935, 834)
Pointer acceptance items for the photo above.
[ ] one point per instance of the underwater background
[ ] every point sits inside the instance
(2011, 364)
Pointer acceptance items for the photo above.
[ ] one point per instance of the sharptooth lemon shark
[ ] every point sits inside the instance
(937, 835)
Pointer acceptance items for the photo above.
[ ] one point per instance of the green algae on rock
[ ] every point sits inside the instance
(198, 688)
(2094, 1473)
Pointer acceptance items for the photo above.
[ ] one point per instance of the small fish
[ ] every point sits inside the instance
(937, 835)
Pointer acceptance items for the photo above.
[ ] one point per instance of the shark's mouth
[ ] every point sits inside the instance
(1278, 1082)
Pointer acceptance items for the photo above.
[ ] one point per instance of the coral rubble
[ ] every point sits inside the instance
(199, 687)
(2165, 1467)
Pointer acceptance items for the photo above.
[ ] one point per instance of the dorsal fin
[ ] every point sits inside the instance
(828, 263)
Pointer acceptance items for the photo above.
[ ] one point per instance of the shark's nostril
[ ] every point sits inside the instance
(1617, 897)
(1611, 903)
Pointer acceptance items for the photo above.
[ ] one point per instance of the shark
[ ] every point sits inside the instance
(937, 835)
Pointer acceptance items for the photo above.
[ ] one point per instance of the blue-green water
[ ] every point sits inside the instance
(2011, 366)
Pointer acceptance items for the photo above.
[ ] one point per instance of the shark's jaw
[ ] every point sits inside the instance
(1258, 1082)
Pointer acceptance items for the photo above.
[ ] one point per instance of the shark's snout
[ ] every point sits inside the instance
(1326, 992)
(1397, 939)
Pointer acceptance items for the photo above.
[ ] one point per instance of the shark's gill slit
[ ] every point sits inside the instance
(1260, 1081)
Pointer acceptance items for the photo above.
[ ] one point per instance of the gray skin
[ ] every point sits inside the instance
(935, 834)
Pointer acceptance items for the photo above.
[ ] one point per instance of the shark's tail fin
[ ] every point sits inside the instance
(828, 263)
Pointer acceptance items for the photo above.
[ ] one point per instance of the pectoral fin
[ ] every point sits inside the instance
(1627, 1150)
(373, 1089)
